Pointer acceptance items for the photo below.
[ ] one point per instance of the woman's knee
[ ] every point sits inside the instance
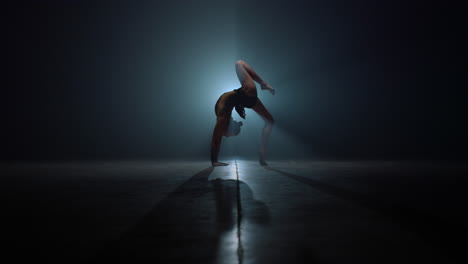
(240, 63)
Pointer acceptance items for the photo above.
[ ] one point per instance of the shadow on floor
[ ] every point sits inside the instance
(432, 229)
(187, 226)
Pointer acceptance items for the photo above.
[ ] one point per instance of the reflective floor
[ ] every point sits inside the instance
(190, 212)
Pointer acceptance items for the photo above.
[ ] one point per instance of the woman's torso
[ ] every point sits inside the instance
(227, 101)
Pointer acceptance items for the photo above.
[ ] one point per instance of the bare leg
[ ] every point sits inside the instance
(221, 124)
(261, 110)
(247, 76)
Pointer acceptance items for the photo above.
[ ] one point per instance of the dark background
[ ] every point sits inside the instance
(139, 79)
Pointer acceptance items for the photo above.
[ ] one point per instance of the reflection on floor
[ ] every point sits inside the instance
(189, 212)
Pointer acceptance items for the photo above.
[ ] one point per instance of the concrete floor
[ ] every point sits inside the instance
(189, 212)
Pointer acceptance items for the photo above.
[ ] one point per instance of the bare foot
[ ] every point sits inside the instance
(215, 163)
(268, 87)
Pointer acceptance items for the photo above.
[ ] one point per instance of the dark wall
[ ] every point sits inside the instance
(139, 79)
(380, 79)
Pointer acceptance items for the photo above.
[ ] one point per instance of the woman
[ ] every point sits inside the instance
(245, 96)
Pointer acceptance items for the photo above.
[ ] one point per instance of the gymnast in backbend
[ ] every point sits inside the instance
(245, 96)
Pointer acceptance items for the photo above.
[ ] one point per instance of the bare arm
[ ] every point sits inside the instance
(220, 127)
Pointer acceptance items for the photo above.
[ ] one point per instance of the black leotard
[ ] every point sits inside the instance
(245, 100)
(235, 99)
